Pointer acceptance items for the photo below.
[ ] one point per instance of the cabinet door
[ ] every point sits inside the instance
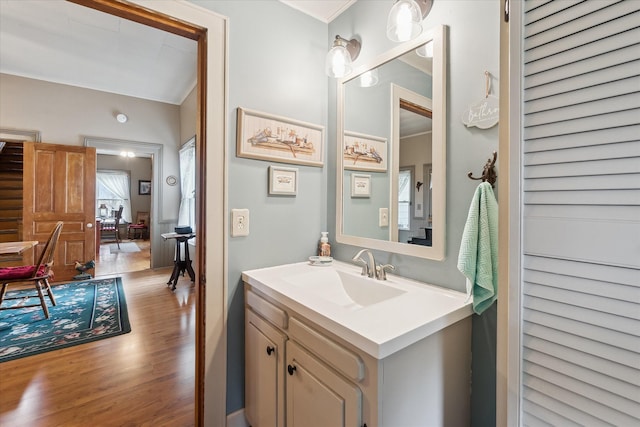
(264, 373)
(317, 396)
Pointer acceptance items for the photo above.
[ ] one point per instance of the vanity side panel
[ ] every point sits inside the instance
(429, 382)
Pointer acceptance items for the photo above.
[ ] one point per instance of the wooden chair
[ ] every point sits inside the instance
(108, 227)
(140, 228)
(38, 274)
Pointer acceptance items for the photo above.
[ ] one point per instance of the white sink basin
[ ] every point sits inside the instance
(379, 317)
(347, 290)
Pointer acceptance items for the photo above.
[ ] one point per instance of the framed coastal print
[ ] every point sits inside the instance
(265, 136)
(360, 185)
(283, 181)
(144, 188)
(364, 152)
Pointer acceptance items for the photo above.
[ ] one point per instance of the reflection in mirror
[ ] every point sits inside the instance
(391, 121)
(414, 222)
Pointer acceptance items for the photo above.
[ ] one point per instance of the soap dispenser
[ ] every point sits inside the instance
(324, 248)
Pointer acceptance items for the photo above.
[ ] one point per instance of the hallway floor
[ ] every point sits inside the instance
(142, 378)
(113, 263)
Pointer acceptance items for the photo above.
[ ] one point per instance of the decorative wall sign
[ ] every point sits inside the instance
(483, 114)
(364, 152)
(267, 137)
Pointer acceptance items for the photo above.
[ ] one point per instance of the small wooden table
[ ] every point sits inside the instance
(16, 248)
(179, 265)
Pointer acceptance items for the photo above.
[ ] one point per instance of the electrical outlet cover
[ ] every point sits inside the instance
(239, 222)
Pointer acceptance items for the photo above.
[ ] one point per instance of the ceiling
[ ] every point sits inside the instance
(61, 42)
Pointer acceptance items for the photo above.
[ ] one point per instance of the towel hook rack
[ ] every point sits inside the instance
(488, 172)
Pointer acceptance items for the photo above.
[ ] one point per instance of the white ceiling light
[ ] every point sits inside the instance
(405, 19)
(122, 118)
(341, 56)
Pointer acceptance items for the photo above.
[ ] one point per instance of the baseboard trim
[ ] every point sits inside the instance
(237, 419)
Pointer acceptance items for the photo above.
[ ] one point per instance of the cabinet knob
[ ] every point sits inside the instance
(291, 369)
(270, 350)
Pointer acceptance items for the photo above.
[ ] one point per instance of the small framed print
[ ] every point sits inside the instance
(144, 187)
(360, 185)
(283, 181)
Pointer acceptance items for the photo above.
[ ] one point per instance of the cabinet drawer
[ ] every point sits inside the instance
(267, 310)
(338, 357)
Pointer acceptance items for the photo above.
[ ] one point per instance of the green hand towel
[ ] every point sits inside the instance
(478, 256)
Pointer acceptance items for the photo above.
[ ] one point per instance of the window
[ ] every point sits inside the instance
(404, 199)
(112, 190)
(187, 214)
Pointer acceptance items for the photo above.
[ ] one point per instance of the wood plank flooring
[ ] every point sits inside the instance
(143, 378)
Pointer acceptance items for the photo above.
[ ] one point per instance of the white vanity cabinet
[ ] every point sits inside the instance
(264, 366)
(329, 368)
(264, 362)
(317, 394)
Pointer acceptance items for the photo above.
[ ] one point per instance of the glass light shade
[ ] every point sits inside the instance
(338, 63)
(404, 21)
(369, 79)
(426, 50)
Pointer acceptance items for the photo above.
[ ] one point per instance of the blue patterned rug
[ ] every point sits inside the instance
(86, 311)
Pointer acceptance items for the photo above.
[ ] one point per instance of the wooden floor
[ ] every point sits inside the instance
(143, 378)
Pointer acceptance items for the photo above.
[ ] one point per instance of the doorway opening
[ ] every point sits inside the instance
(140, 250)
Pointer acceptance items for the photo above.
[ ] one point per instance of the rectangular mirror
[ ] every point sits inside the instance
(391, 123)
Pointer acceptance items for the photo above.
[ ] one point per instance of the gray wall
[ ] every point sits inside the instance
(67, 114)
(473, 49)
(276, 65)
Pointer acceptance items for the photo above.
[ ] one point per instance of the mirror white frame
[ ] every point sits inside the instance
(439, 95)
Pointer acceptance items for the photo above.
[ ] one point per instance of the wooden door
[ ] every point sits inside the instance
(59, 185)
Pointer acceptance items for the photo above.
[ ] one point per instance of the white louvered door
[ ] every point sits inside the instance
(580, 190)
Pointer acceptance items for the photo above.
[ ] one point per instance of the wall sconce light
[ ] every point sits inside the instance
(340, 57)
(369, 79)
(405, 19)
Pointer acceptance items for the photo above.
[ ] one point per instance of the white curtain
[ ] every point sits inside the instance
(404, 199)
(187, 213)
(118, 184)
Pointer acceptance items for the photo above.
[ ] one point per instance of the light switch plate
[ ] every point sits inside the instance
(383, 219)
(239, 222)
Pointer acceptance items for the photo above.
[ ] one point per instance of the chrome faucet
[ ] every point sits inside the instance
(368, 269)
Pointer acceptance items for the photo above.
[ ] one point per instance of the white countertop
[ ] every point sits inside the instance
(380, 329)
